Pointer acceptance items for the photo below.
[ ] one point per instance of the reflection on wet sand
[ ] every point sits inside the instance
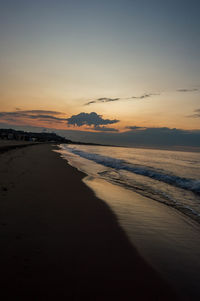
(168, 240)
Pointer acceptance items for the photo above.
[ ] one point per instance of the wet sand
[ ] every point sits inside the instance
(167, 239)
(59, 241)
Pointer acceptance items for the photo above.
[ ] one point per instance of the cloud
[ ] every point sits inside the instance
(32, 114)
(46, 117)
(133, 128)
(188, 90)
(42, 112)
(154, 129)
(196, 114)
(104, 129)
(144, 96)
(23, 113)
(106, 99)
(102, 99)
(91, 119)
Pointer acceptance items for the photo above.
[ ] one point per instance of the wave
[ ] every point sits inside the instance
(156, 174)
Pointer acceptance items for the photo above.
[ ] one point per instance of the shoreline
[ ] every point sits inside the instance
(165, 238)
(60, 241)
(153, 228)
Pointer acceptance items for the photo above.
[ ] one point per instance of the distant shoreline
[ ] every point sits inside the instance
(6, 145)
(43, 137)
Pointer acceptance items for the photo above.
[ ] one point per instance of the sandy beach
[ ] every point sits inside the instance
(59, 241)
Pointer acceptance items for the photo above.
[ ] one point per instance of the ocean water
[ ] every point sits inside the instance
(169, 177)
(155, 195)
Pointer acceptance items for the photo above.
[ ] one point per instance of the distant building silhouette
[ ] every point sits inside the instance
(10, 134)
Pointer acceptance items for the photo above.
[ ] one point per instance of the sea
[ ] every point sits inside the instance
(155, 195)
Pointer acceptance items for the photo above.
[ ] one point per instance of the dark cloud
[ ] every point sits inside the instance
(144, 96)
(104, 129)
(102, 99)
(46, 117)
(154, 129)
(42, 112)
(32, 114)
(23, 113)
(134, 127)
(196, 114)
(188, 90)
(91, 119)
(11, 114)
(106, 99)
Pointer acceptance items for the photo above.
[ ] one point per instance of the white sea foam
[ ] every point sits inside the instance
(153, 173)
(172, 178)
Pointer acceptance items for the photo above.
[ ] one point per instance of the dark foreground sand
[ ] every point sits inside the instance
(60, 242)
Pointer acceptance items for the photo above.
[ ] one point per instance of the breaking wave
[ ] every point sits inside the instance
(156, 174)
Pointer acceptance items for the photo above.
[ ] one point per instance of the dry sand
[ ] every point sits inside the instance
(59, 241)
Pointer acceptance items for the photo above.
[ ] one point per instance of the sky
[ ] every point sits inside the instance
(115, 67)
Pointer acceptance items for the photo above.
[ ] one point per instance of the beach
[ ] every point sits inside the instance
(160, 217)
(59, 241)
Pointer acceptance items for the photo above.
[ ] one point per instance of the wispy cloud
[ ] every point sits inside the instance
(146, 95)
(195, 115)
(134, 128)
(102, 99)
(46, 117)
(143, 96)
(42, 112)
(188, 90)
(107, 99)
(41, 115)
(104, 129)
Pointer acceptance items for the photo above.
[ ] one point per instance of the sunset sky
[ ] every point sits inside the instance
(134, 63)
